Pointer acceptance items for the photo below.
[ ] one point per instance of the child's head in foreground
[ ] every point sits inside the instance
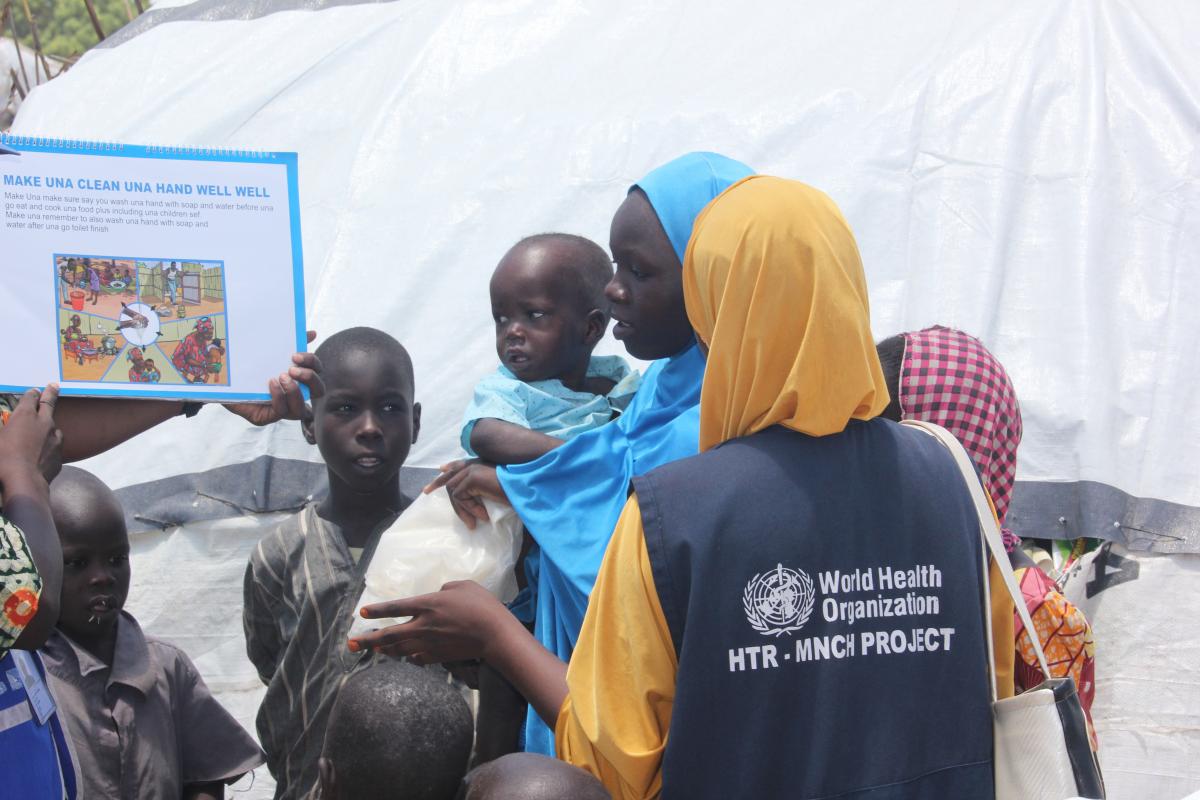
(528, 776)
(95, 547)
(549, 306)
(367, 420)
(396, 730)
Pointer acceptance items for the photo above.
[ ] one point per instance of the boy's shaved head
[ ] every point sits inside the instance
(337, 349)
(78, 498)
(584, 266)
(396, 730)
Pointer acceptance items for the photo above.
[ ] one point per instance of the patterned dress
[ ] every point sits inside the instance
(20, 584)
(191, 358)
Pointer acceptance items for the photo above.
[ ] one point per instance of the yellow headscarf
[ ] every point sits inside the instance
(774, 287)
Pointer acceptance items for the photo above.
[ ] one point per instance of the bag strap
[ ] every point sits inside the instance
(990, 531)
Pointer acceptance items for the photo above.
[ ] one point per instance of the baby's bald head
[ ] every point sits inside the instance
(573, 268)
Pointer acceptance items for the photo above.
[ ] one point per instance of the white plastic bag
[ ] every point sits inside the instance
(428, 546)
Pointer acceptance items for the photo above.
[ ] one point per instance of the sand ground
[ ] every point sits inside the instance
(108, 304)
(206, 307)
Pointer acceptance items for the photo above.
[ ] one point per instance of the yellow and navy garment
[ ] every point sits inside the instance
(775, 289)
(802, 599)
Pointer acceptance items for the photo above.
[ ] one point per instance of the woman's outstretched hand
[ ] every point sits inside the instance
(469, 483)
(462, 621)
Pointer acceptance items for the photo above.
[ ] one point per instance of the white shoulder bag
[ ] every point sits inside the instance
(1041, 749)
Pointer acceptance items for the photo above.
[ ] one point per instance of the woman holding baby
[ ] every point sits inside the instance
(713, 635)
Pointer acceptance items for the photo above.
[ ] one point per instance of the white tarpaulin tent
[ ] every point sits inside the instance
(1024, 171)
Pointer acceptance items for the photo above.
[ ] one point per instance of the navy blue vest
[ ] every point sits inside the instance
(824, 596)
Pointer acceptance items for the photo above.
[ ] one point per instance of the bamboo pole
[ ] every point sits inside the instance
(37, 42)
(16, 82)
(91, 9)
(4, 18)
(128, 10)
(138, 5)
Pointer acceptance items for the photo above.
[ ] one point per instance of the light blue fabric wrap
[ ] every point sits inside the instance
(570, 498)
(549, 407)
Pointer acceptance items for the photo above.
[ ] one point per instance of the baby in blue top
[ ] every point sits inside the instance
(550, 311)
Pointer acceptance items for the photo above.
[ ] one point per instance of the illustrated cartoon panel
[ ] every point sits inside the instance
(139, 320)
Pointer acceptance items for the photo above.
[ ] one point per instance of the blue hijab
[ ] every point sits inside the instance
(570, 498)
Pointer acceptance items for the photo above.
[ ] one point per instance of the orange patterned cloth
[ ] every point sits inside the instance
(1066, 639)
(20, 584)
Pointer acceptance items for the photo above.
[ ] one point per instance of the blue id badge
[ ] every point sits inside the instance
(41, 703)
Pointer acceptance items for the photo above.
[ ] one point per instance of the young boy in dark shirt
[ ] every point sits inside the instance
(142, 722)
(305, 577)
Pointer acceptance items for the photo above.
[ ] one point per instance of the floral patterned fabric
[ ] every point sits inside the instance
(1066, 639)
(20, 584)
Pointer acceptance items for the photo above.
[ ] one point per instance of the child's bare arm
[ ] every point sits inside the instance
(504, 443)
(500, 717)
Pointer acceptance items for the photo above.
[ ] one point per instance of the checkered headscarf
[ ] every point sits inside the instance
(949, 378)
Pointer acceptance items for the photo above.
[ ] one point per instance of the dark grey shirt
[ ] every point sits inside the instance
(300, 591)
(148, 726)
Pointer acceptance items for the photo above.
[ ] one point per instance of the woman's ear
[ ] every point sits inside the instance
(597, 324)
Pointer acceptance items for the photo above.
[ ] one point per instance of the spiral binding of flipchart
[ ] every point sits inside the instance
(83, 145)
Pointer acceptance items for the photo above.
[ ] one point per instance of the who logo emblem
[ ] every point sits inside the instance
(779, 601)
